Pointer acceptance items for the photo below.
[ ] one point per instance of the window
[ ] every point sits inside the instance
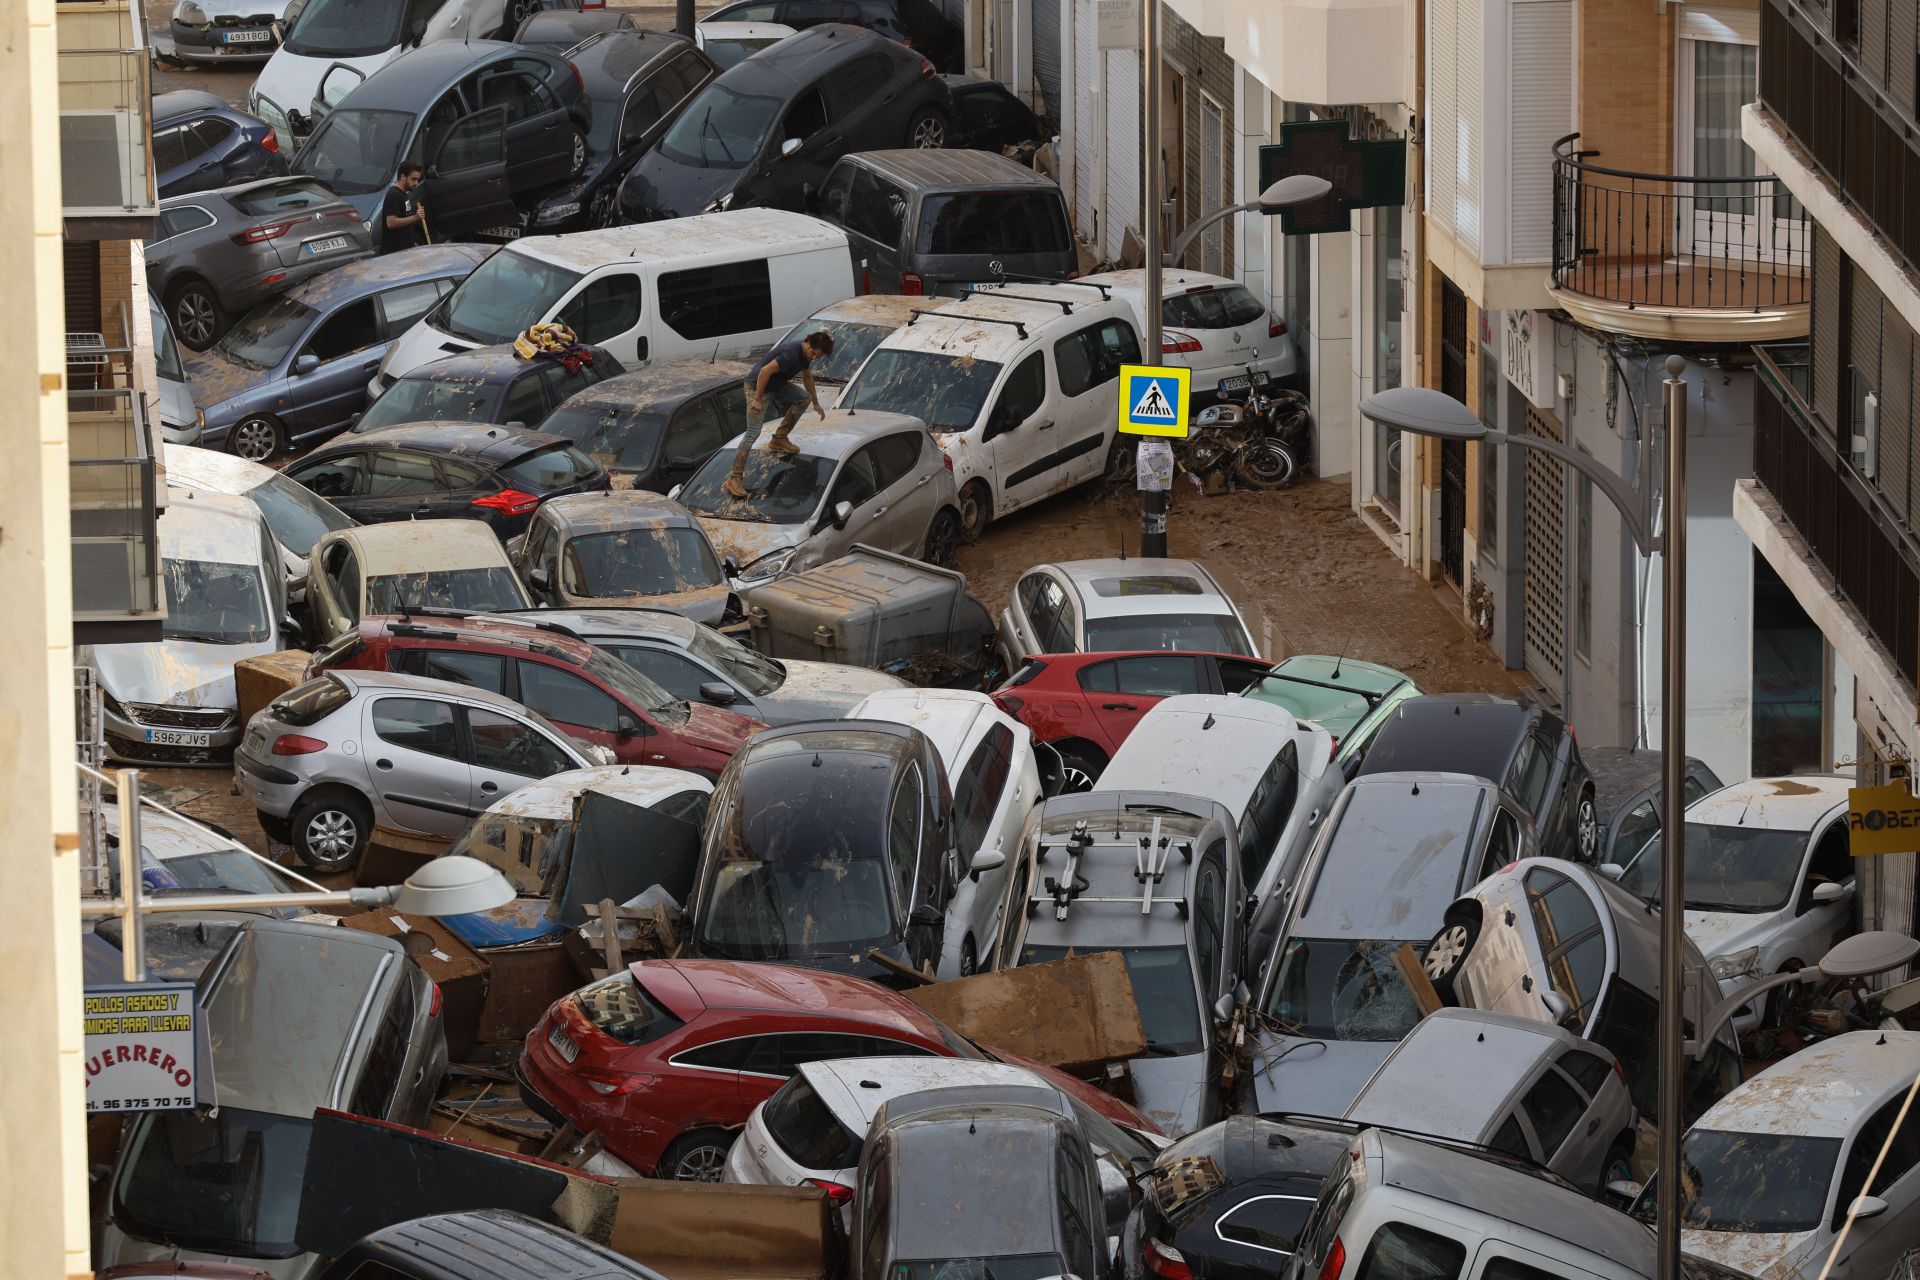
(1093, 356)
(1037, 594)
(566, 699)
(401, 475)
(806, 117)
(1207, 922)
(1527, 775)
(748, 1053)
(1582, 566)
(1063, 636)
(526, 400)
(1508, 1269)
(1863, 411)
(872, 206)
(339, 477)
(417, 724)
(1641, 824)
(522, 98)
(1513, 1140)
(857, 482)
(458, 477)
(903, 833)
(990, 108)
(1628, 1028)
(860, 82)
(712, 302)
(1265, 1222)
(380, 1074)
(678, 675)
(178, 221)
(1588, 1070)
(505, 745)
(406, 304)
(207, 134)
(1401, 1252)
(606, 308)
(1503, 844)
(875, 1193)
(1021, 396)
(748, 13)
(1075, 1235)
(1268, 809)
(1554, 1108)
(977, 791)
(696, 430)
(480, 670)
(1867, 1141)
(688, 806)
(895, 457)
(346, 331)
(1156, 676)
(474, 142)
(347, 576)
(996, 223)
(171, 148)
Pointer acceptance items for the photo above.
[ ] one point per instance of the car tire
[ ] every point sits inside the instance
(1586, 829)
(698, 1155)
(928, 130)
(976, 509)
(330, 828)
(969, 958)
(195, 314)
(943, 538)
(1082, 763)
(1120, 462)
(1267, 465)
(579, 149)
(258, 437)
(1448, 951)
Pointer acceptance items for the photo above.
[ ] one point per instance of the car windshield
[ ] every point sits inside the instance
(355, 152)
(431, 399)
(638, 562)
(215, 603)
(505, 294)
(1335, 710)
(995, 222)
(346, 28)
(166, 355)
(755, 674)
(617, 437)
(529, 852)
(469, 590)
(1023, 1266)
(1763, 1183)
(727, 52)
(221, 1183)
(1192, 632)
(780, 490)
(947, 392)
(262, 337)
(1744, 869)
(1163, 981)
(215, 871)
(853, 342)
(1343, 989)
(809, 901)
(721, 129)
(297, 516)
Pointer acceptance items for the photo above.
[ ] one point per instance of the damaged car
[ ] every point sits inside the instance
(1115, 605)
(857, 326)
(488, 384)
(419, 564)
(624, 547)
(653, 428)
(298, 517)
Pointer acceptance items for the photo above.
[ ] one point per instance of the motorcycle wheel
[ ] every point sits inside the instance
(1266, 464)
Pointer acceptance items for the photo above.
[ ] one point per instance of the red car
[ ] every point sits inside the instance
(667, 1060)
(1085, 704)
(590, 694)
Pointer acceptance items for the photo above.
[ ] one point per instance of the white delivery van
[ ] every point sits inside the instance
(713, 285)
(1018, 384)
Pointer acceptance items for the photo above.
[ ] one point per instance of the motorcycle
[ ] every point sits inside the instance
(1257, 434)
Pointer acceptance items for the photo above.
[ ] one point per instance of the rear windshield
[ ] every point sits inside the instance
(310, 703)
(220, 1183)
(1224, 307)
(621, 1008)
(1162, 978)
(618, 438)
(553, 468)
(469, 590)
(996, 222)
(807, 1130)
(1186, 632)
(280, 197)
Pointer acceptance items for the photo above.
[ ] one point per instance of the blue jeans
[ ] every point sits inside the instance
(792, 401)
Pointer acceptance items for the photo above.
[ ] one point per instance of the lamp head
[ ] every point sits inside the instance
(453, 886)
(1299, 188)
(1424, 412)
(1866, 954)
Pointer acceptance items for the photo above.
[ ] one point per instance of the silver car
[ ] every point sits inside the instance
(873, 478)
(326, 763)
(298, 516)
(1114, 605)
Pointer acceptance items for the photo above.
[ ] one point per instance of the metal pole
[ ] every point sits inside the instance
(1673, 807)
(683, 17)
(1153, 502)
(133, 930)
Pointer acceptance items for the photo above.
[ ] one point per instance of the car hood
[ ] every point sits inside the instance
(244, 8)
(1717, 933)
(218, 381)
(663, 188)
(744, 541)
(1171, 1092)
(1311, 1076)
(822, 691)
(179, 673)
(1762, 1255)
(700, 604)
(717, 728)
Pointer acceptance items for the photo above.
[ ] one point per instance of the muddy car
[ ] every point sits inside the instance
(392, 568)
(624, 547)
(652, 429)
(487, 384)
(857, 326)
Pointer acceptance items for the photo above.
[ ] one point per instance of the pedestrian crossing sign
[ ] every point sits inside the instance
(1153, 400)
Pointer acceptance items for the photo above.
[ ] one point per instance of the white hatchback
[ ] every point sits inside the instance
(1212, 325)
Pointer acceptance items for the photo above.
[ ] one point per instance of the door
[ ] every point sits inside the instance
(606, 313)
(341, 479)
(857, 485)
(402, 485)
(583, 710)
(1087, 369)
(916, 876)
(1453, 454)
(1122, 690)
(467, 187)
(507, 754)
(1815, 926)
(864, 102)
(1019, 435)
(908, 498)
(1569, 1138)
(414, 761)
(789, 177)
(345, 350)
(1875, 1244)
(1747, 217)
(539, 136)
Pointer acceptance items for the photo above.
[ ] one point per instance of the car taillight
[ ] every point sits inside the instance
(271, 142)
(511, 501)
(837, 1193)
(1009, 704)
(911, 283)
(608, 1083)
(294, 744)
(948, 459)
(433, 1004)
(1336, 1260)
(866, 280)
(265, 231)
(1275, 327)
(1573, 735)
(579, 84)
(926, 69)
(1174, 342)
(1167, 1261)
(275, 278)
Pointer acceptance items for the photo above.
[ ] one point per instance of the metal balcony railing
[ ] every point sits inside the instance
(106, 110)
(113, 490)
(1644, 240)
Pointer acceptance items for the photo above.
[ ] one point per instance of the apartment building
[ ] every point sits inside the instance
(1833, 501)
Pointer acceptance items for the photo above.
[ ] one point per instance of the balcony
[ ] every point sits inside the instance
(114, 490)
(1673, 258)
(106, 167)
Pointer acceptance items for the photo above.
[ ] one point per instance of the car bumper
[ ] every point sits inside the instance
(637, 1138)
(127, 741)
(188, 433)
(269, 788)
(208, 44)
(1279, 365)
(273, 279)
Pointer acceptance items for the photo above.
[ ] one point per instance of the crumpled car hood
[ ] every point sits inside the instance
(745, 541)
(180, 673)
(1762, 1255)
(1171, 1092)
(1311, 1076)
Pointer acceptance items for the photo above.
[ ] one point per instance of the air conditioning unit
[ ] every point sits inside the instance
(1866, 440)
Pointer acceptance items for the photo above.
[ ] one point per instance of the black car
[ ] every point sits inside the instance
(1523, 748)
(917, 24)
(988, 117)
(558, 30)
(659, 424)
(200, 143)
(767, 130)
(494, 124)
(1626, 793)
(636, 82)
(486, 384)
(447, 470)
(1227, 1202)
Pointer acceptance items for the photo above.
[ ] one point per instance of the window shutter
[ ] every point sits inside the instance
(1087, 200)
(1124, 115)
(1541, 85)
(1443, 108)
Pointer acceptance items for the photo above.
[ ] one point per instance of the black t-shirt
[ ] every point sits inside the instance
(786, 358)
(398, 204)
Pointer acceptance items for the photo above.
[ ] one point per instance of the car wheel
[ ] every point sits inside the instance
(521, 10)
(696, 1156)
(969, 958)
(943, 538)
(1586, 828)
(927, 131)
(1448, 951)
(976, 508)
(194, 311)
(257, 438)
(579, 148)
(1619, 1162)
(1120, 462)
(1267, 465)
(330, 828)
(1081, 767)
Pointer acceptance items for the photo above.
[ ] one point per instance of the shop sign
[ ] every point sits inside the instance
(140, 1047)
(1117, 24)
(1882, 820)
(1364, 174)
(1527, 356)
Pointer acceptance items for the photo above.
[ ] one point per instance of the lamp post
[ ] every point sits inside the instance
(1299, 188)
(1437, 415)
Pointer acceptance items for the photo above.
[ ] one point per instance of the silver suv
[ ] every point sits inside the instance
(327, 762)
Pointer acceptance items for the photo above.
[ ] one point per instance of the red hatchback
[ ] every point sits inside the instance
(1085, 704)
(667, 1060)
(588, 693)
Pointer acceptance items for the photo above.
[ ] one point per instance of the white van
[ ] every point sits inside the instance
(713, 285)
(1019, 385)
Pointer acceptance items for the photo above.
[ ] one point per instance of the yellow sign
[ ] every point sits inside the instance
(1882, 820)
(1153, 400)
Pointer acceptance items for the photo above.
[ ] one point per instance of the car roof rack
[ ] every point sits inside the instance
(1150, 853)
(1019, 326)
(1066, 307)
(1106, 290)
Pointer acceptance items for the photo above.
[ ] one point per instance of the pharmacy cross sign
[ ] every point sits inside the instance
(1365, 175)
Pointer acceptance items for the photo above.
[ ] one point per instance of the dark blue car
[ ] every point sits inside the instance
(200, 144)
(295, 368)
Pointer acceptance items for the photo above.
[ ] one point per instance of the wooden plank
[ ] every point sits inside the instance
(1424, 996)
(1075, 1014)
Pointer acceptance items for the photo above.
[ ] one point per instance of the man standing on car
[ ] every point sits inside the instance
(771, 379)
(403, 215)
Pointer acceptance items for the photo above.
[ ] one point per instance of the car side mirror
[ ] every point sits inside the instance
(289, 625)
(304, 363)
(986, 860)
(1557, 1005)
(1351, 769)
(625, 726)
(673, 494)
(790, 146)
(728, 566)
(1223, 1007)
(1829, 891)
(629, 140)
(842, 512)
(1611, 870)
(719, 694)
(539, 579)
(1867, 1207)
(353, 423)
(927, 917)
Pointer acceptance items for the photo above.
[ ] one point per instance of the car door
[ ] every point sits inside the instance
(1123, 690)
(412, 747)
(907, 494)
(1019, 435)
(1086, 369)
(606, 313)
(1606, 1133)
(695, 431)
(915, 877)
(402, 306)
(583, 710)
(1875, 1244)
(1556, 1112)
(791, 176)
(1527, 779)
(173, 147)
(507, 754)
(328, 377)
(991, 800)
(402, 485)
(858, 485)
(1815, 926)
(865, 99)
(333, 595)
(467, 187)
(539, 141)
(678, 673)
(340, 478)
(535, 554)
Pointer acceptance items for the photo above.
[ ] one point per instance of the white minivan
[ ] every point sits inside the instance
(1018, 384)
(716, 285)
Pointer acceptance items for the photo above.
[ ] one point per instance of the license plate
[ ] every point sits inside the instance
(500, 233)
(563, 1044)
(1239, 382)
(326, 244)
(179, 737)
(246, 37)
(983, 286)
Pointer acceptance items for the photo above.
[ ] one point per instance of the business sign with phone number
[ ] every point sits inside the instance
(140, 1047)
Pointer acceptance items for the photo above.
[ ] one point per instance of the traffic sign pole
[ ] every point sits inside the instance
(1153, 501)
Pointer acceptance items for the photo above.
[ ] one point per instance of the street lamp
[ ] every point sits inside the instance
(1432, 413)
(1864, 955)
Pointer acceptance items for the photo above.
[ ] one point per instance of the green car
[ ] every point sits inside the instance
(1347, 698)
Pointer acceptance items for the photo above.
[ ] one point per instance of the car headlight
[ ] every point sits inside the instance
(190, 14)
(719, 203)
(1734, 964)
(770, 565)
(556, 213)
